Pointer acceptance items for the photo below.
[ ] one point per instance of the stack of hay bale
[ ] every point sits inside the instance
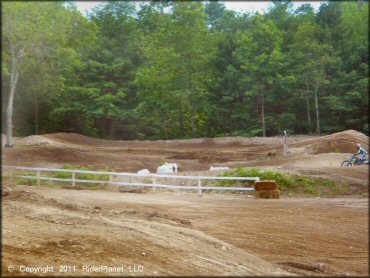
(266, 190)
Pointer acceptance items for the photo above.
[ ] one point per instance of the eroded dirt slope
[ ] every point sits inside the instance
(182, 234)
(43, 230)
(179, 233)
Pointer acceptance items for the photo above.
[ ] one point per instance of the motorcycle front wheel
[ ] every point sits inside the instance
(346, 163)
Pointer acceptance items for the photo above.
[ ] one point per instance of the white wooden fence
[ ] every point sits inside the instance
(9, 172)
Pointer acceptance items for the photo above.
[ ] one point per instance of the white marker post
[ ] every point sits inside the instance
(153, 182)
(199, 187)
(285, 145)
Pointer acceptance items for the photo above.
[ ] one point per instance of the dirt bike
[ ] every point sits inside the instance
(353, 161)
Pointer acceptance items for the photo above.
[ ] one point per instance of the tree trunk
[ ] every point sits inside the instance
(36, 115)
(309, 115)
(193, 127)
(317, 114)
(9, 113)
(192, 119)
(165, 127)
(14, 75)
(308, 109)
(107, 123)
(317, 105)
(181, 117)
(263, 114)
(112, 129)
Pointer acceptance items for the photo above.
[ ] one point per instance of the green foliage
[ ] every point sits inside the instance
(288, 183)
(26, 181)
(172, 84)
(185, 69)
(43, 44)
(284, 181)
(83, 176)
(62, 175)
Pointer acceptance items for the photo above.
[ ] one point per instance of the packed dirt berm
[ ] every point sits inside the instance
(176, 232)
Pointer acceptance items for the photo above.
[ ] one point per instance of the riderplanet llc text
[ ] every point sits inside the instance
(47, 269)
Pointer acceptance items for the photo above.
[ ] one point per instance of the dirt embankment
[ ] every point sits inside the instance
(312, 156)
(342, 142)
(195, 154)
(181, 234)
(60, 233)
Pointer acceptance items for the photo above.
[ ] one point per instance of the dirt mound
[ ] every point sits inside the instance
(32, 197)
(74, 138)
(220, 143)
(60, 149)
(22, 195)
(341, 142)
(36, 140)
(338, 142)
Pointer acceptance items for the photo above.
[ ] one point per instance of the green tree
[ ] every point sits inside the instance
(106, 77)
(346, 28)
(260, 56)
(34, 34)
(178, 54)
(313, 58)
(215, 12)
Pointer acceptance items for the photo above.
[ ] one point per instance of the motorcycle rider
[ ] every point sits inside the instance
(361, 151)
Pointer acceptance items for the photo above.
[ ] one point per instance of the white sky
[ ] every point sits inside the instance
(238, 6)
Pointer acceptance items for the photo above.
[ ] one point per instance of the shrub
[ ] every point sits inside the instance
(21, 181)
(283, 180)
(81, 176)
(290, 183)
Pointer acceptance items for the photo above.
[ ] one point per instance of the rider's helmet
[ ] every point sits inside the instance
(358, 145)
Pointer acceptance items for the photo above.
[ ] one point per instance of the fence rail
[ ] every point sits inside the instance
(111, 181)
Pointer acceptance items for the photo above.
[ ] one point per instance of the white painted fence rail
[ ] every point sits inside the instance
(198, 187)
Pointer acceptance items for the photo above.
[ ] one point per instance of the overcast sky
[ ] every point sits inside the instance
(238, 6)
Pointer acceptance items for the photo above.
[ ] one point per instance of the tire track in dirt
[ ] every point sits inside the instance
(95, 234)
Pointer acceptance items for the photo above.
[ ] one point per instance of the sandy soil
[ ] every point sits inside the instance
(311, 156)
(182, 234)
(194, 155)
(178, 233)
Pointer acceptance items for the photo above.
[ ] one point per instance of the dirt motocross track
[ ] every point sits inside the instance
(178, 233)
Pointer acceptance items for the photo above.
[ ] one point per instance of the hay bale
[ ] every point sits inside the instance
(267, 194)
(265, 185)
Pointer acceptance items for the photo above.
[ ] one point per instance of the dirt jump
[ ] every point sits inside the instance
(51, 230)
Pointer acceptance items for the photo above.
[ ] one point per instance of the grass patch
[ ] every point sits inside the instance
(284, 181)
(22, 181)
(290, 184)
(82, 176)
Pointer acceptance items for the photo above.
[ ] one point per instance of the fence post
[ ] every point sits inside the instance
(110, 181)
(73, 179)
(199, 187)
(153, 182)
(38, 178)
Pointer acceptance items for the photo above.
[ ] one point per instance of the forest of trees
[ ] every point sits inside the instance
(170, 70)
